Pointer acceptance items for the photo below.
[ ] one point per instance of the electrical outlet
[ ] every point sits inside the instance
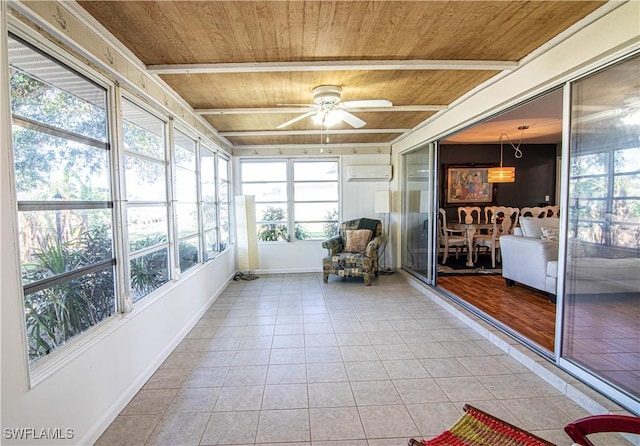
(546, 198)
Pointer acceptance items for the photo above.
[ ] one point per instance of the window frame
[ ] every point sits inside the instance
(175, 199)
(130, 204)
(291, 221)
(224, 242)
(70, 65)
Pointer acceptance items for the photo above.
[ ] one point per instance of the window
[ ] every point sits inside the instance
(315, 192)
(299, 194)
(606, 196)
(215, 201)
(63, 187)
(224, 202)
(209, 202)
(145, 169)
(186, 200)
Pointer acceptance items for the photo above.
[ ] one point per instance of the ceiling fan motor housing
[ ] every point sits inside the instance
(326, 94)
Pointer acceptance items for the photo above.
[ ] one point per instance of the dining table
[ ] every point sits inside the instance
(470, 230)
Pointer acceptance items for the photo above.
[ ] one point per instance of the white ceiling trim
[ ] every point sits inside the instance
(281, 110)
(312, 150)
(333, 65)
(312, 132)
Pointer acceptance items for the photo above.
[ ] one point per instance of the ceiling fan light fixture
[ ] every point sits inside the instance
(326, 94)
(318, 118)
(328, 118)
(333, 117)
(329, 110)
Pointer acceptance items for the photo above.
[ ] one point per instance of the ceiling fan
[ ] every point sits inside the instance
(328, 110)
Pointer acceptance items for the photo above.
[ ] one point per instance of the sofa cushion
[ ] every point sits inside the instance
(552, 234)
(357, 240)
(531, 226)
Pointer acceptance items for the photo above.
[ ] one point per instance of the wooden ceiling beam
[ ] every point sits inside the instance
(284, 110)
(311, 132)
(333, 65)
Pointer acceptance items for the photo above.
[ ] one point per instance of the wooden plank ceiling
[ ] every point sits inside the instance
(237, 63)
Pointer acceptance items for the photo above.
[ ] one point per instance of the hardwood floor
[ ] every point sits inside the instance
(522, 309)
(601, 333)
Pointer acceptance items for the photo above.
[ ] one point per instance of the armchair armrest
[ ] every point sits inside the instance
(373, 246)
(334, 245)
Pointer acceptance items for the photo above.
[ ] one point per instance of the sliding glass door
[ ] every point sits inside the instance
(418, 198)
(601, 320)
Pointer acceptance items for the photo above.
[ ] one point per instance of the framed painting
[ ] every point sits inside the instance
(467, 184)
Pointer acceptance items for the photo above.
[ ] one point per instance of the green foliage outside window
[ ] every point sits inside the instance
(330, 228)
(277, 231)
(60, 312)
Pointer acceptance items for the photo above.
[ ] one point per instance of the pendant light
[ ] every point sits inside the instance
(505, 174)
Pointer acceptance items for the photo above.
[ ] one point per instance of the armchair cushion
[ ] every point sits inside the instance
(357, 240)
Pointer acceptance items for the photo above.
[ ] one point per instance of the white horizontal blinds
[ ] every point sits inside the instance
(145, 169)
(63, 186)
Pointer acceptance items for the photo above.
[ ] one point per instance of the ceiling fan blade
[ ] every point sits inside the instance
(368, 103)
(296, 119)
(352, 120)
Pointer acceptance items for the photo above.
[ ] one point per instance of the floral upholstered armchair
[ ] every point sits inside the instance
(354, 252)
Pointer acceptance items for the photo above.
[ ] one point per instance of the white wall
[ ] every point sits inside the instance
(86, 383)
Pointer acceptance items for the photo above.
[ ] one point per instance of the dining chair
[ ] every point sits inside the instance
(448, 237)
(504, 220)
(466, 214)
(554, 210)
(540, 211)
(533, 211)
(488, 213)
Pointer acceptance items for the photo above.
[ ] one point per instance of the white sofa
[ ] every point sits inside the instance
(526, 258)
(532, 260)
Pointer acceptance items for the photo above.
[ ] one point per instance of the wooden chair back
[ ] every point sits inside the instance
(488, 213)
(469, 211)
(504, 220)
(540, 211)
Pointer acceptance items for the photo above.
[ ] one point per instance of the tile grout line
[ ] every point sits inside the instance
(551, 378)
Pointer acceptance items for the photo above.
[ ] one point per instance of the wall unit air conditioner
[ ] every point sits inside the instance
(369, 173)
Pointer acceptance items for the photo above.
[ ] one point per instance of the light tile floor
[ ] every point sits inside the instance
(288, 359)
